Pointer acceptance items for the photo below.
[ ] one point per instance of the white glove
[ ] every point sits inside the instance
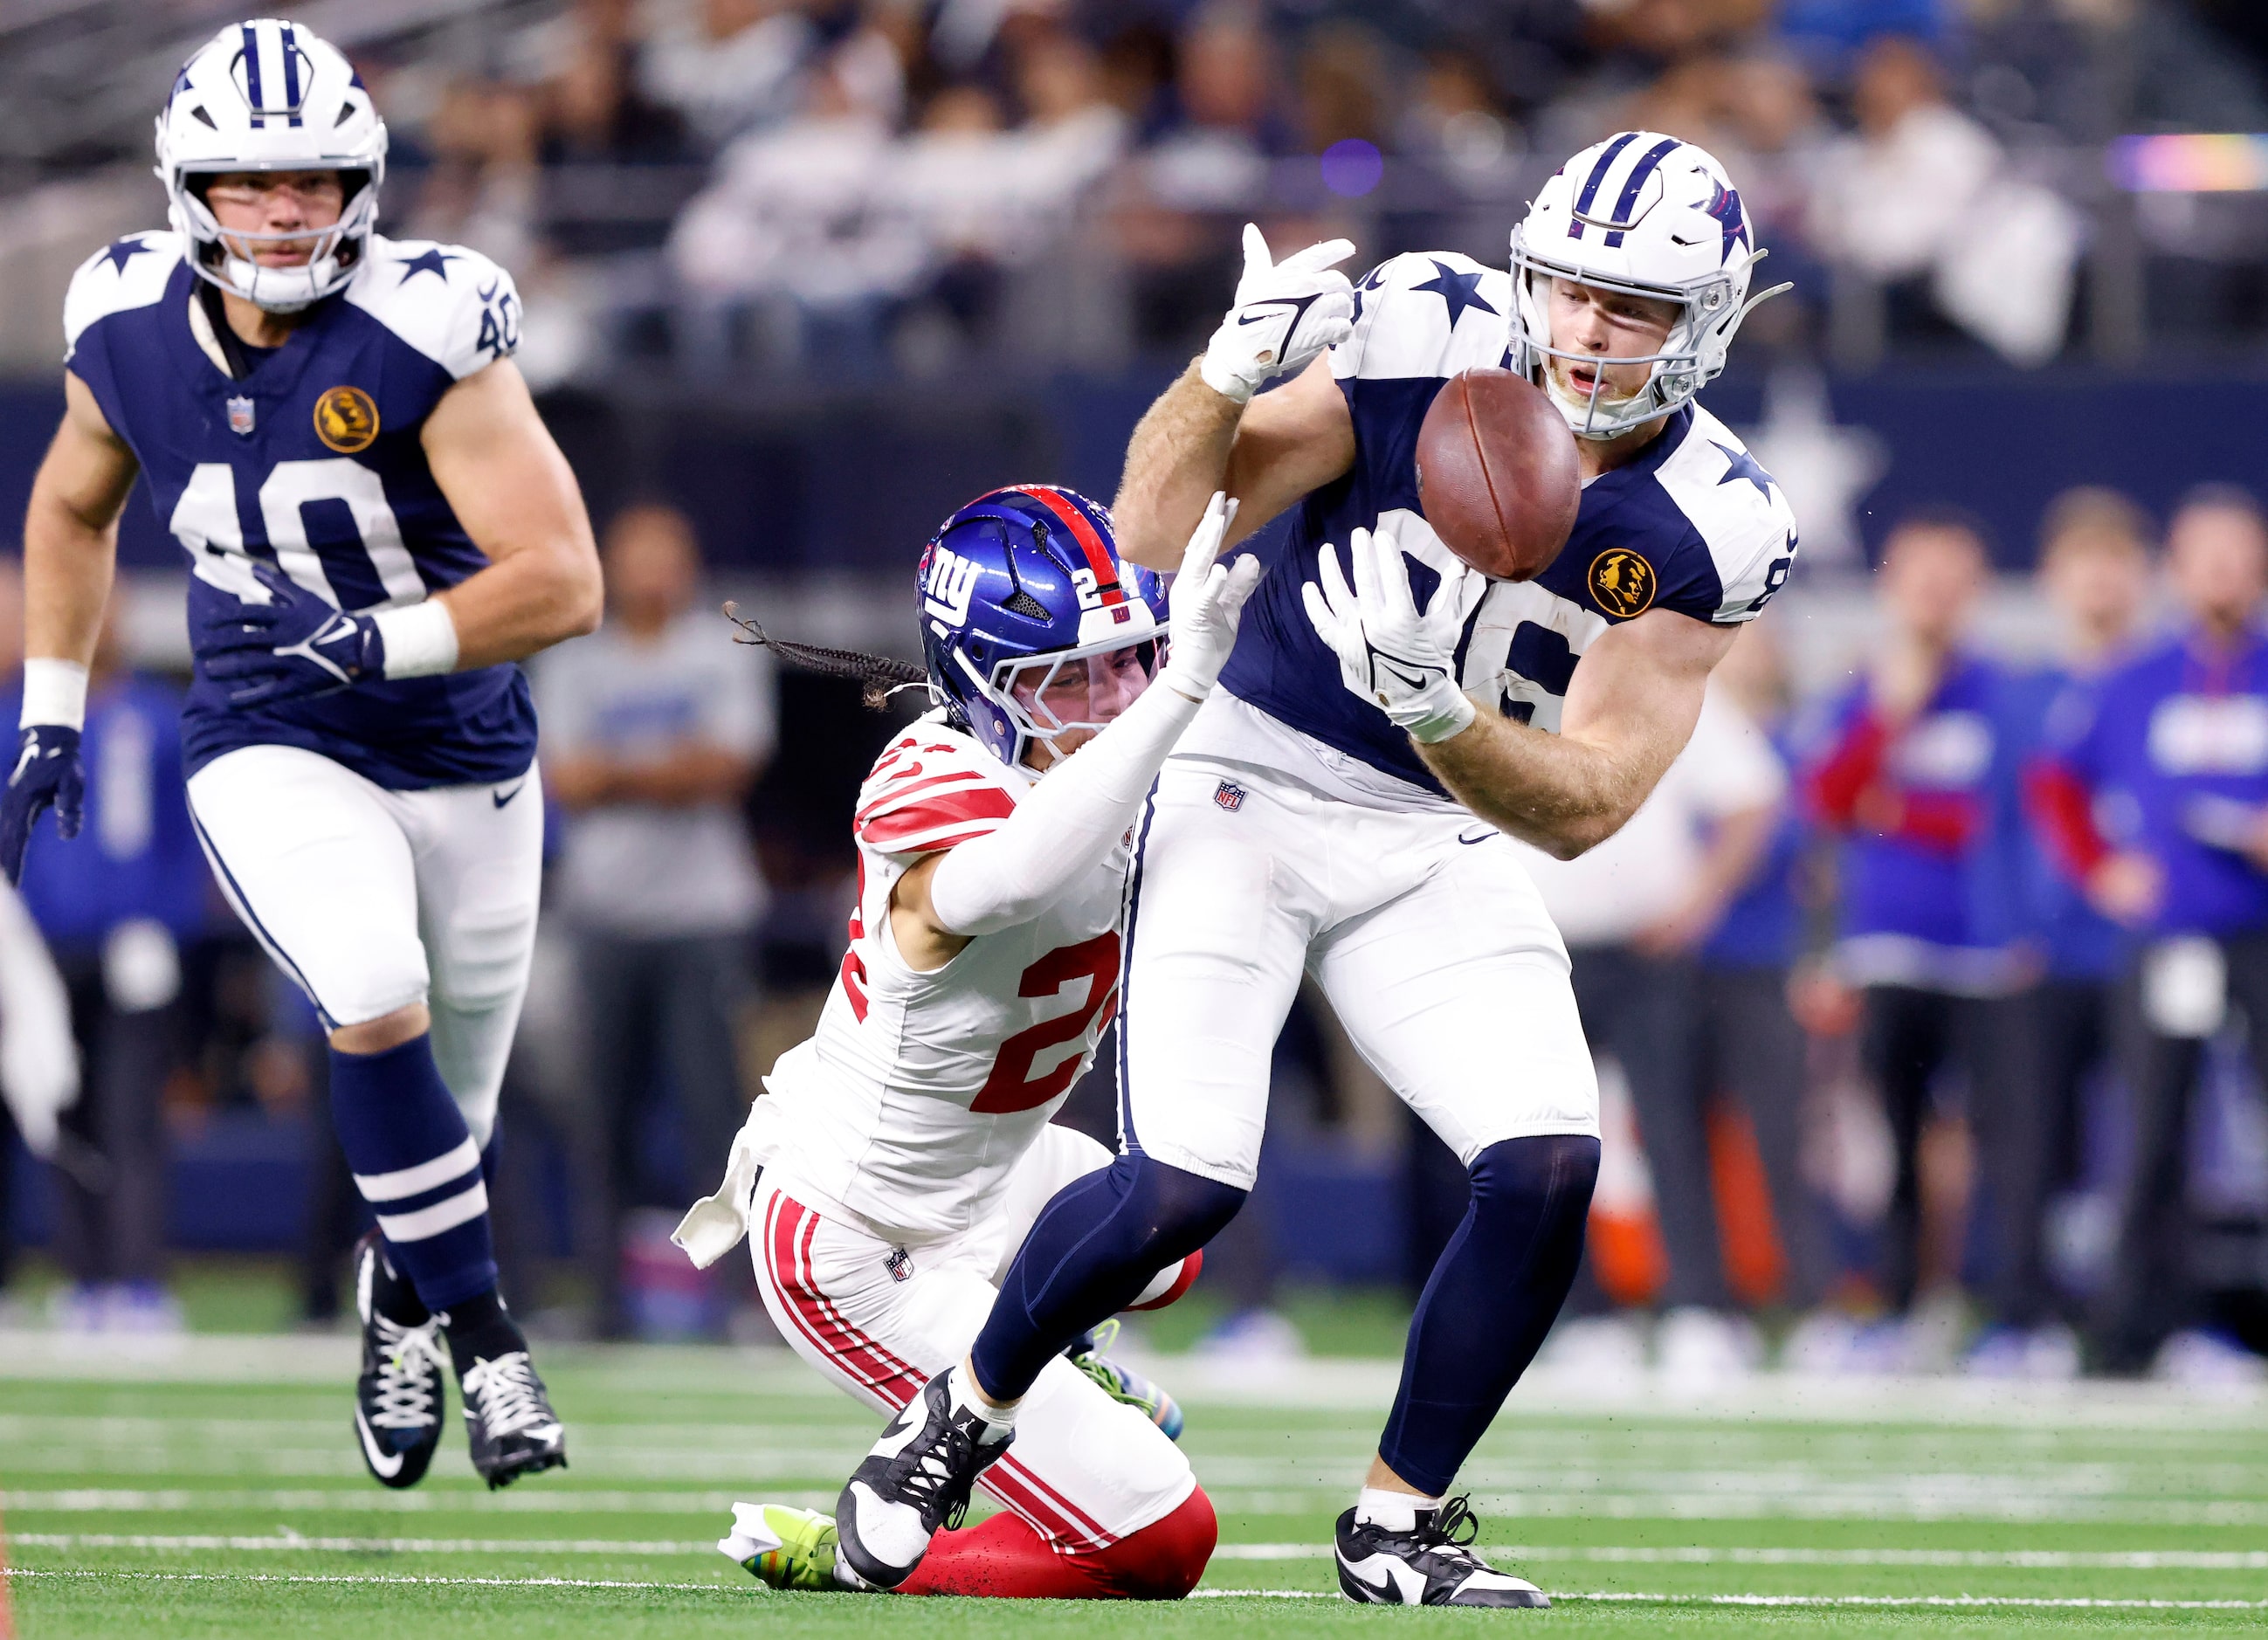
(38, 1059)
(1205, 603)
(1286, 312)
(1402, 662)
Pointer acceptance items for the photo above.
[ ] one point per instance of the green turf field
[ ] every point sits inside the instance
(215, 1491)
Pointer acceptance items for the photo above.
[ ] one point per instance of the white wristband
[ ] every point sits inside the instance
(421, 639)
(54, 691)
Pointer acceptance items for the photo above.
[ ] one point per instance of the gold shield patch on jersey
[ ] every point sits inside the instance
(1622, 582)
(346, 420)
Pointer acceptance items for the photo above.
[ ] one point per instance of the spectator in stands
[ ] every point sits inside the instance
(1217, 158)
(654, 730)
(2093, 69)
(1634, 911)
(116, 905)
(788, 230)
(729, 66)
(2095, 565)
(2157, 803)
(593, 108)
(1922, 200)
(1905, 773)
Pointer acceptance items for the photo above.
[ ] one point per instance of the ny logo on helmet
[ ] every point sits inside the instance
(950, 586)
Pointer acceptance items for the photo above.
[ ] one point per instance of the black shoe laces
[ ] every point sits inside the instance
(1451, 1531)
(938, 1483)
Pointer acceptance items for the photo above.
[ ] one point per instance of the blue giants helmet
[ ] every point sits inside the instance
(1015, 587)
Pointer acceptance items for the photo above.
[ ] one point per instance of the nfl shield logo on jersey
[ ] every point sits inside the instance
(1229, 795)
(239, 417)
(899, 1264)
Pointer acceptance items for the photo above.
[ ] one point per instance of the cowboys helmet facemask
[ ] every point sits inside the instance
(1642, 215)
(267, 95)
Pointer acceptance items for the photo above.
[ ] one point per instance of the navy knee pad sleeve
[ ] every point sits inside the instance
(1091, 1251)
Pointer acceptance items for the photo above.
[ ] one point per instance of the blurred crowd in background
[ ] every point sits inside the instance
(1920, 991)
(849, 188)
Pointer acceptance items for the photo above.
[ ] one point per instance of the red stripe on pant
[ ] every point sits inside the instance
(789, 1230)
(1005, 1559)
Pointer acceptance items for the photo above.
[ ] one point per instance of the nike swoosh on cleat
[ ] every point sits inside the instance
(387, 1465)
(502, 797)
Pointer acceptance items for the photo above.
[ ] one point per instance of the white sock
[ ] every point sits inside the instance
(1397, 1511)
(967, 1398)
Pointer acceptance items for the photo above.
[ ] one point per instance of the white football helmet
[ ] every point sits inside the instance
(1650, 216)
(267, 95)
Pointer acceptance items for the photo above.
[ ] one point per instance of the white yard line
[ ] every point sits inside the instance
(2075, 1560)
(295, 1543)
(2041, 1559)
(1606, 1596)
(297, 1576)
(1351, 1385)
(368, 1500)
(2041, 1508)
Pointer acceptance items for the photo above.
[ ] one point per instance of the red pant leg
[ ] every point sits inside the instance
(1006, 1559)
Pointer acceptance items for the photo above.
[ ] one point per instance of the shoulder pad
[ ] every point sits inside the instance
(130, 273)
(452, 305)
(931, 788)
(1426, 314)
(1738, 510)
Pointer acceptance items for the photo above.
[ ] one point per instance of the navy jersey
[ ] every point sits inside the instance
(2079, 942)
(312, 462)
(1931, 894)
(1693, 524)
(2172, 747)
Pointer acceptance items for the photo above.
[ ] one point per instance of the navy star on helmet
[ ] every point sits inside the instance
(267, 95)
(1644, 215)
(1015, 587)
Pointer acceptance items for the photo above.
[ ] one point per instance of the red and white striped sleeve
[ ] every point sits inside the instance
(929, 792)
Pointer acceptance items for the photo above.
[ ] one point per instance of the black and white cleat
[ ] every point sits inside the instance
(508, 1421)
(399, 1397)
(1431, 1565)
(913, 1482)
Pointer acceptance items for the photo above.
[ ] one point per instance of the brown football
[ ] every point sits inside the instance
(1497, 473)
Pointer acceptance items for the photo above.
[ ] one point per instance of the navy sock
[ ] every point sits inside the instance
(415, 1164)
(480, 1329)
(1091, 1251)
(1492, 1296)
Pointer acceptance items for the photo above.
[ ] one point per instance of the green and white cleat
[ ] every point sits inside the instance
(1122, 1384)
(785, 1547)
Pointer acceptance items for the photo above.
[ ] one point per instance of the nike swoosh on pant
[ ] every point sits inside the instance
(502, 798)
(388, 1466)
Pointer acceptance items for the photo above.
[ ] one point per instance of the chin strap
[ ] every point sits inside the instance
(234, 355)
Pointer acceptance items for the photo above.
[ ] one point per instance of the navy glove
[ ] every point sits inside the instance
(47, 772)
(292, 648)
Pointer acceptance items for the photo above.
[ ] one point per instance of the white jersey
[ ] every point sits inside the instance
(913, 1101)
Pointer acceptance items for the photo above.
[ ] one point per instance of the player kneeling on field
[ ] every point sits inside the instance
(902, 1152)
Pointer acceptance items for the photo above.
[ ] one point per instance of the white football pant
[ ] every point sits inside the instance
(1422, 929)
(880, 1320)
(373, 900)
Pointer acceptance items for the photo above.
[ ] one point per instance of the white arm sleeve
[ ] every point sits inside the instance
(1067, 822)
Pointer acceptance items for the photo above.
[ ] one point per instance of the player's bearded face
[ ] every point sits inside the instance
(1607, 325)
(1080, 697)
(273, 210)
